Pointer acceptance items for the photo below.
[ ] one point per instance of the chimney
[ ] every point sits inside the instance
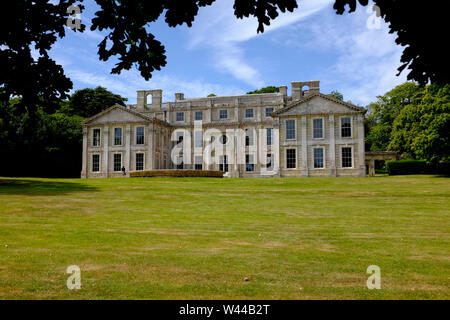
(314, 86)
(141, 100)
(296, 91)
(283, 90)
(156, 99)
(179, 96)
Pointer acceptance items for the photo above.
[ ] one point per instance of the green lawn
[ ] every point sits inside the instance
(198, 238)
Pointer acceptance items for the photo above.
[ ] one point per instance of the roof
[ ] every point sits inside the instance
(117, 106)
(293, 104)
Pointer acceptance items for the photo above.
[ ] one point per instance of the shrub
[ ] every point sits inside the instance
(440, 168)
(177, 173)
(406, 167)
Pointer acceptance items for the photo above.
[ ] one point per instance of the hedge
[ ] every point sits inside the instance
(401, 167)
(178, 173)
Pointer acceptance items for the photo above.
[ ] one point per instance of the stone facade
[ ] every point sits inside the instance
(305, 134)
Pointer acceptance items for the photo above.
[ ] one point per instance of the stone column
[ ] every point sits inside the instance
(372, 168)
(259, 149)
(84, 169)
(304, 148)
(276, 147)
(210, 112)
(361, 147)
(161, 148)
(105, 157)
(150, 146)
(332, 146)
(127, 148)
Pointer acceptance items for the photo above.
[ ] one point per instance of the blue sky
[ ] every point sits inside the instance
(223, 55)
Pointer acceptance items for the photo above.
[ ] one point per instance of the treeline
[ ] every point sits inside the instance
(44, 141)
(412, 120)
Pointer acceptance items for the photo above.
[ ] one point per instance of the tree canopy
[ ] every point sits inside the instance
(383, 112)
(422, 128)
(88, 102)
(269, 89)
(337, 95)
(38, 24)
(53, 139)
(412, 120)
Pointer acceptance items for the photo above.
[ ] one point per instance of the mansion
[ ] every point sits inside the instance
(304, 134)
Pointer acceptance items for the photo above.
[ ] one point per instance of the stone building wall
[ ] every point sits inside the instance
(160, 122)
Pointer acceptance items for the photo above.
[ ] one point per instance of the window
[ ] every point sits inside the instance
(223, 139)
(269, 163)
(117, 136)
(318, 157)
(198, 139)
(223, 163)
(317, 128)
(291, 158)
(198, 115)
(248, 137)
(223, 114)
(95, 163)
(269, 136)
(249, 113)
(347, 157)
(180, 116)
(249, 165)
(140, 135)
(198, 163)
(117, 162)
(290, 129)
(346, 127)
(96, 137)
(268, 112)
(139, 161)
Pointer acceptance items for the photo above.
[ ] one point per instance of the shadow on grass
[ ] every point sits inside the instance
(40, 188)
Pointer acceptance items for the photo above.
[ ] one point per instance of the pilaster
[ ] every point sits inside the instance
(84, 168)
(361, 147)
(304, 147)
(105, 157)
(127, 147)
(332, 146)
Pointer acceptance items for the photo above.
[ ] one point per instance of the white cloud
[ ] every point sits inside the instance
(128, 82)
(366, 60)
(217, 29)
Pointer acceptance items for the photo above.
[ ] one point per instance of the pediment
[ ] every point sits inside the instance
(116, 114)
(318, 104)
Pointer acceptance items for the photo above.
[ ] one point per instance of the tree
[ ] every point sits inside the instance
(38, 24)
(383, 112)
(422, 128)
(45, 145)
(414, 23)
(33, 24)
(53, 140)
(88, 102)
(211, 95)
(337, 95)
(269, 89)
